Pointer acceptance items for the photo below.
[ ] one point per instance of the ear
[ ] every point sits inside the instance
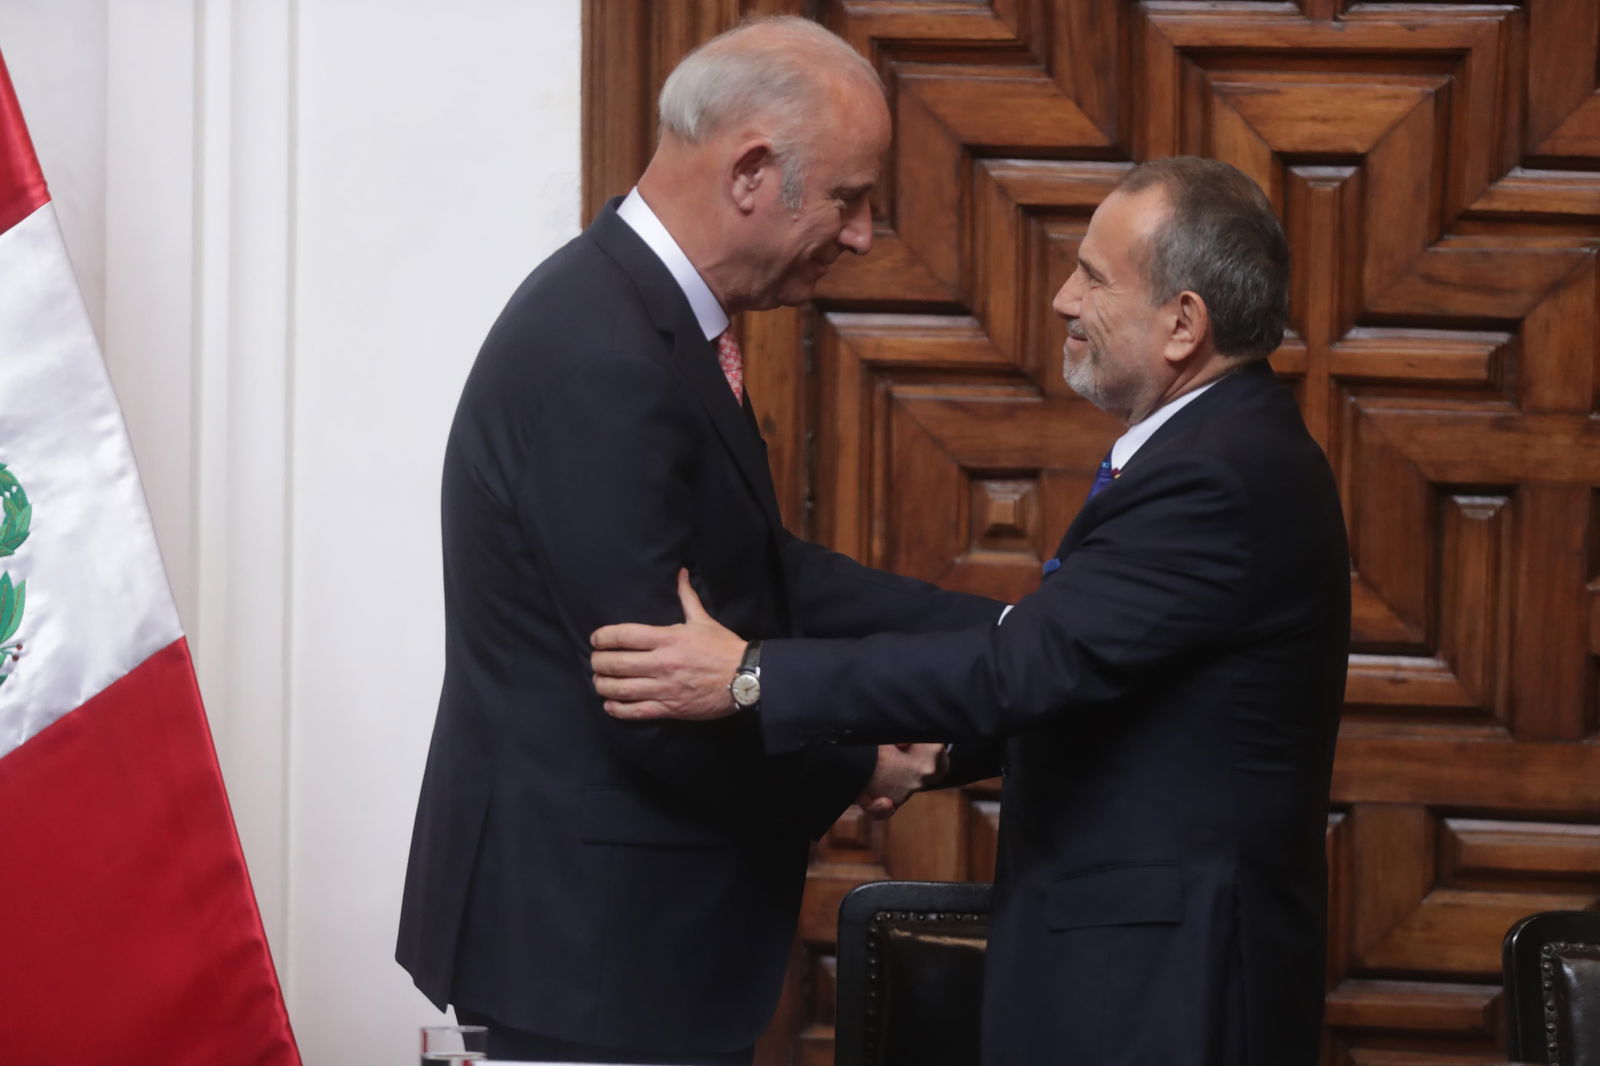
(1189, 326)
(753, 166)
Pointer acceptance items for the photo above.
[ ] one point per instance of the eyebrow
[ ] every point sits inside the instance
(1090, 268)
(850, 192)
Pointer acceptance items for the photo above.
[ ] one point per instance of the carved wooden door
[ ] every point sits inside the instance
(1438, 168)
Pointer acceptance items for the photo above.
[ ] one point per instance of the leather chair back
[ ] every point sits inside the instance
(910, 977)
(1551, 963)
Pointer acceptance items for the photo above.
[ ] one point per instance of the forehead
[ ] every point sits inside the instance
(1121, 226)
(852, 133)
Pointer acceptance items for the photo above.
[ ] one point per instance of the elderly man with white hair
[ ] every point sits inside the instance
(603, 891)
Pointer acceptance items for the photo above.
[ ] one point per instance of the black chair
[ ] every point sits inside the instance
(1551, 963)
(910, 973)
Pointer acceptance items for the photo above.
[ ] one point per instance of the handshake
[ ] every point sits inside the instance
(902, 770)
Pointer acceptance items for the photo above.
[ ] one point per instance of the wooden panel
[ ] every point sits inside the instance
(1437, 167)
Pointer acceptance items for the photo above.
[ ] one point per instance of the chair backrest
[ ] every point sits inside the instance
(910, 975)
(1551, 962)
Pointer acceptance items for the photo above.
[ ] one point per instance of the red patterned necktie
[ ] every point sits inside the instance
(732, 361)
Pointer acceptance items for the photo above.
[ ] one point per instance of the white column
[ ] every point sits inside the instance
(294, 221)
(243, 496)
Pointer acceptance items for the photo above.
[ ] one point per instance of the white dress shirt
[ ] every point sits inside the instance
(1140, 432)
(643, 221)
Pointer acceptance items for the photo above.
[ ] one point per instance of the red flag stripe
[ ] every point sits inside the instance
(129, 919)
(22, 187)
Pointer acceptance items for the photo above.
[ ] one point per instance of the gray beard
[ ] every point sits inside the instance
(1080, 377)
(1084, 379)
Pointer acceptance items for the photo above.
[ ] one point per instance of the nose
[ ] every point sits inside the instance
(1069, 298)
(857, 232)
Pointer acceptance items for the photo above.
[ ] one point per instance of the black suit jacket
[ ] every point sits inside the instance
(620, 884)
(1172, 696)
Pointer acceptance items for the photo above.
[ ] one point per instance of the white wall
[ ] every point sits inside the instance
(293, 221)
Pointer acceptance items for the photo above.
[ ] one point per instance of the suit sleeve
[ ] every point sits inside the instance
(974, 760)
(835, 596)
(611, 445)
(1161, 578)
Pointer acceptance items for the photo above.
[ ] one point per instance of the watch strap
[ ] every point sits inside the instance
(752, 658)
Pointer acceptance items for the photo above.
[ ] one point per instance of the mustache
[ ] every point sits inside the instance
(1075, 331)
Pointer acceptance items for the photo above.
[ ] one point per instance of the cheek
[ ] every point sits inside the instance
(1098, 319)
(823, 227)
(1110, 319)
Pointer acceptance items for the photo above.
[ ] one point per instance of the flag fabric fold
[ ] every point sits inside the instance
(129, 933)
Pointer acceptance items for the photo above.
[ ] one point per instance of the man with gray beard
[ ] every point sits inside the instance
(1168, 699)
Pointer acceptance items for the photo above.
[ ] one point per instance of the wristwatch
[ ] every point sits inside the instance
(745, 688)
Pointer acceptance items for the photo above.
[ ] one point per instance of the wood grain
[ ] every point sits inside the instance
(1437, 167)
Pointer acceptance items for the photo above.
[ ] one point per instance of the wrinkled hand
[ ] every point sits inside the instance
(679, 671)
(902, 770)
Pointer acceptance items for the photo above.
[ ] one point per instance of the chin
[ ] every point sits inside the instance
(1073, 368)
(794, 294)
(1082, 380)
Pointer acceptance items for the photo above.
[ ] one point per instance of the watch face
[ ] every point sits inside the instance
(746, 689)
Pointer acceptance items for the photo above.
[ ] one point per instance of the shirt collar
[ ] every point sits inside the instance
(708, 313)
(1140, 432)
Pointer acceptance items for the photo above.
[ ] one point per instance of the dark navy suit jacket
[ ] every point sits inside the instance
(620, 884)
(1171, 696)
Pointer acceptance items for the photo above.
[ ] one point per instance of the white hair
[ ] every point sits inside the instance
(777, 74)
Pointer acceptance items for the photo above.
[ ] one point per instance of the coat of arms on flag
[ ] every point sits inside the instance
(15, 516)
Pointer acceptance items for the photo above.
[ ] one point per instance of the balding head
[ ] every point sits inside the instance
(773, 136)
(782, 71)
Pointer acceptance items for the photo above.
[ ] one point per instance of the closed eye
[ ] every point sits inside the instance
(851, 194)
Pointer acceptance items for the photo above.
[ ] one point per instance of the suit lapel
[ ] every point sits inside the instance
(692, 354)
(1247, 380)
(735, 426)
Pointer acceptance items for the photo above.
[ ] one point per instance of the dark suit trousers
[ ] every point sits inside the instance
(514, 1044)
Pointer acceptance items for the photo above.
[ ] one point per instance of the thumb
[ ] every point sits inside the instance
(692, 609)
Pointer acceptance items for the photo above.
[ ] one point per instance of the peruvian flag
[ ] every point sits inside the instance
(129, 934)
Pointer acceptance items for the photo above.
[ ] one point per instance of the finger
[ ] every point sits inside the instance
(879, 807)
(629, 636)
(636, 711)
(693, 609)
(628, 689)
(625, 663)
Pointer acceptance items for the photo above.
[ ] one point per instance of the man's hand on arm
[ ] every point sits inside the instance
(682, 671)
(678, 671)
(903, 769)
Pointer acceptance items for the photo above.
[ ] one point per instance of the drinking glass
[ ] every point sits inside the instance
(454, 1043)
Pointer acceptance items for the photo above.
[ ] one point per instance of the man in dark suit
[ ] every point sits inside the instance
(1171, 692)
(603, 891)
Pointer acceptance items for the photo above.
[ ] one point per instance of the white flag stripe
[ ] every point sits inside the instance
(97, 600)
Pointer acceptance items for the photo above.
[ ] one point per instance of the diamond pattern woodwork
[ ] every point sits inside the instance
(1437, 166)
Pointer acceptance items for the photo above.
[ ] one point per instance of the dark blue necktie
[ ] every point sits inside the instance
(1103, 477)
